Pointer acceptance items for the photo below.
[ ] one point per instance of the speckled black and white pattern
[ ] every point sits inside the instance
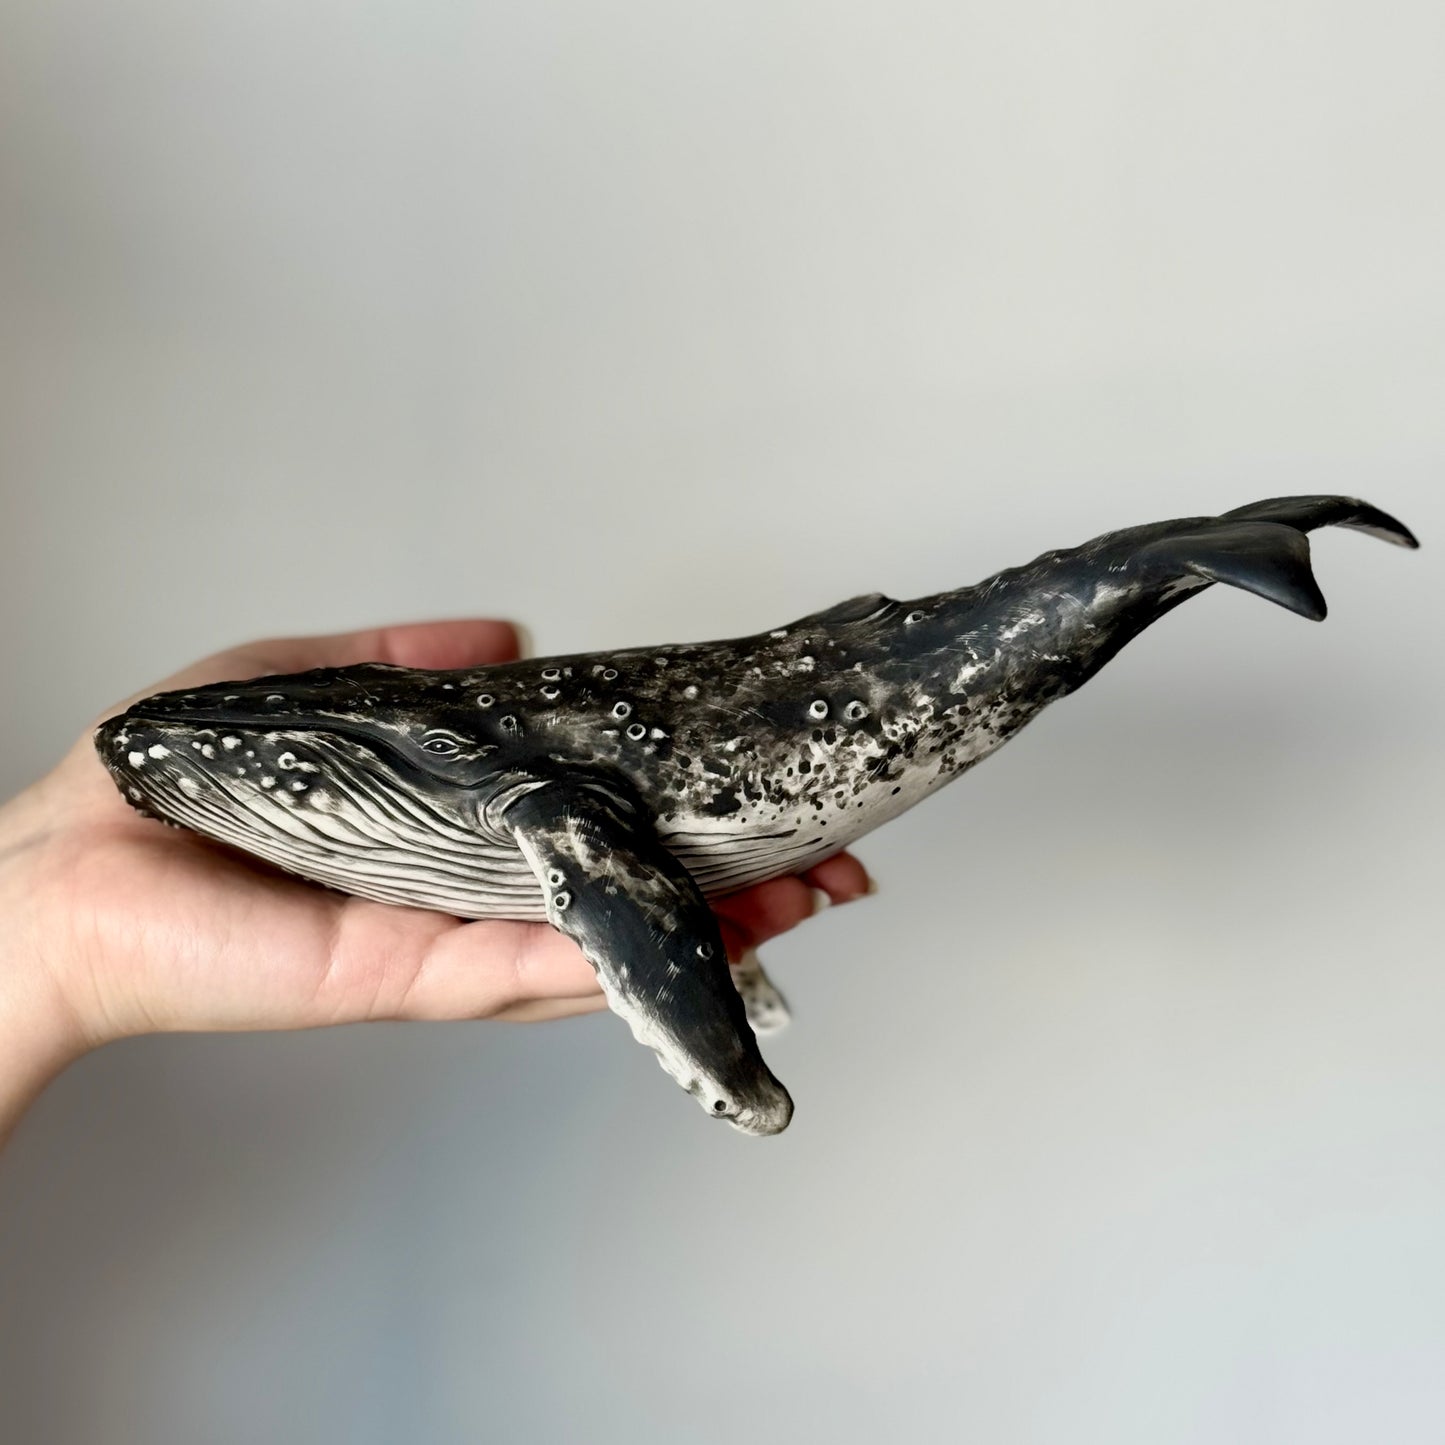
(739, 760)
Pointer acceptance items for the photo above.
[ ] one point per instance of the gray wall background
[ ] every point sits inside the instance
(1122, 1105)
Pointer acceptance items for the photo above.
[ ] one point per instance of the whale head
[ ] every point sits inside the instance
(360, 776)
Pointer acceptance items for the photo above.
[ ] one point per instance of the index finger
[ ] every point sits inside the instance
(468, 642)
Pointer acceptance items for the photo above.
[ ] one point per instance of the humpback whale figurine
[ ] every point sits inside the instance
(614, 793)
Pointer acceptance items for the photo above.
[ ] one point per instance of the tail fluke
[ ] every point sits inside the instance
(1266, 558)
(1261, 548)
(1076, 609)
(1307, 513)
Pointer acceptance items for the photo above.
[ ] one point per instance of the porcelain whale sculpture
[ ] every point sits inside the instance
(614, 793)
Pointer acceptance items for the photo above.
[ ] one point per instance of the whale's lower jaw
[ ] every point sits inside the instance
(319, 817)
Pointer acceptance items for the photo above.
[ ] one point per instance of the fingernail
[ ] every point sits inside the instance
(524, 639)
(820, 899)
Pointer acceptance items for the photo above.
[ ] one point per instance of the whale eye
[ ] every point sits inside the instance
(441, 747)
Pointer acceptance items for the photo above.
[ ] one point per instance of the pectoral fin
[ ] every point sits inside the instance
(643, 924)
(766, 1008)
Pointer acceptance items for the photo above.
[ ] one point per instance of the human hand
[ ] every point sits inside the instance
(119, 926)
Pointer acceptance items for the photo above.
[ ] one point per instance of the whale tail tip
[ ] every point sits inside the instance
(1262, 548)
(1304, 514)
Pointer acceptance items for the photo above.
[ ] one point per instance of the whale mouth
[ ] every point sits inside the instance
(319, 805)
(280, 794)
(160, 756)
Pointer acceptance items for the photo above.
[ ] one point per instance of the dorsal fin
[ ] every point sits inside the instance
(855, 609)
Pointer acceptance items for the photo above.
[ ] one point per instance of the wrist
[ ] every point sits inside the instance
(40, 1033)
(37, 1042)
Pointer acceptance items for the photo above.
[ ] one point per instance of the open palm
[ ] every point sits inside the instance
(143, 927)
